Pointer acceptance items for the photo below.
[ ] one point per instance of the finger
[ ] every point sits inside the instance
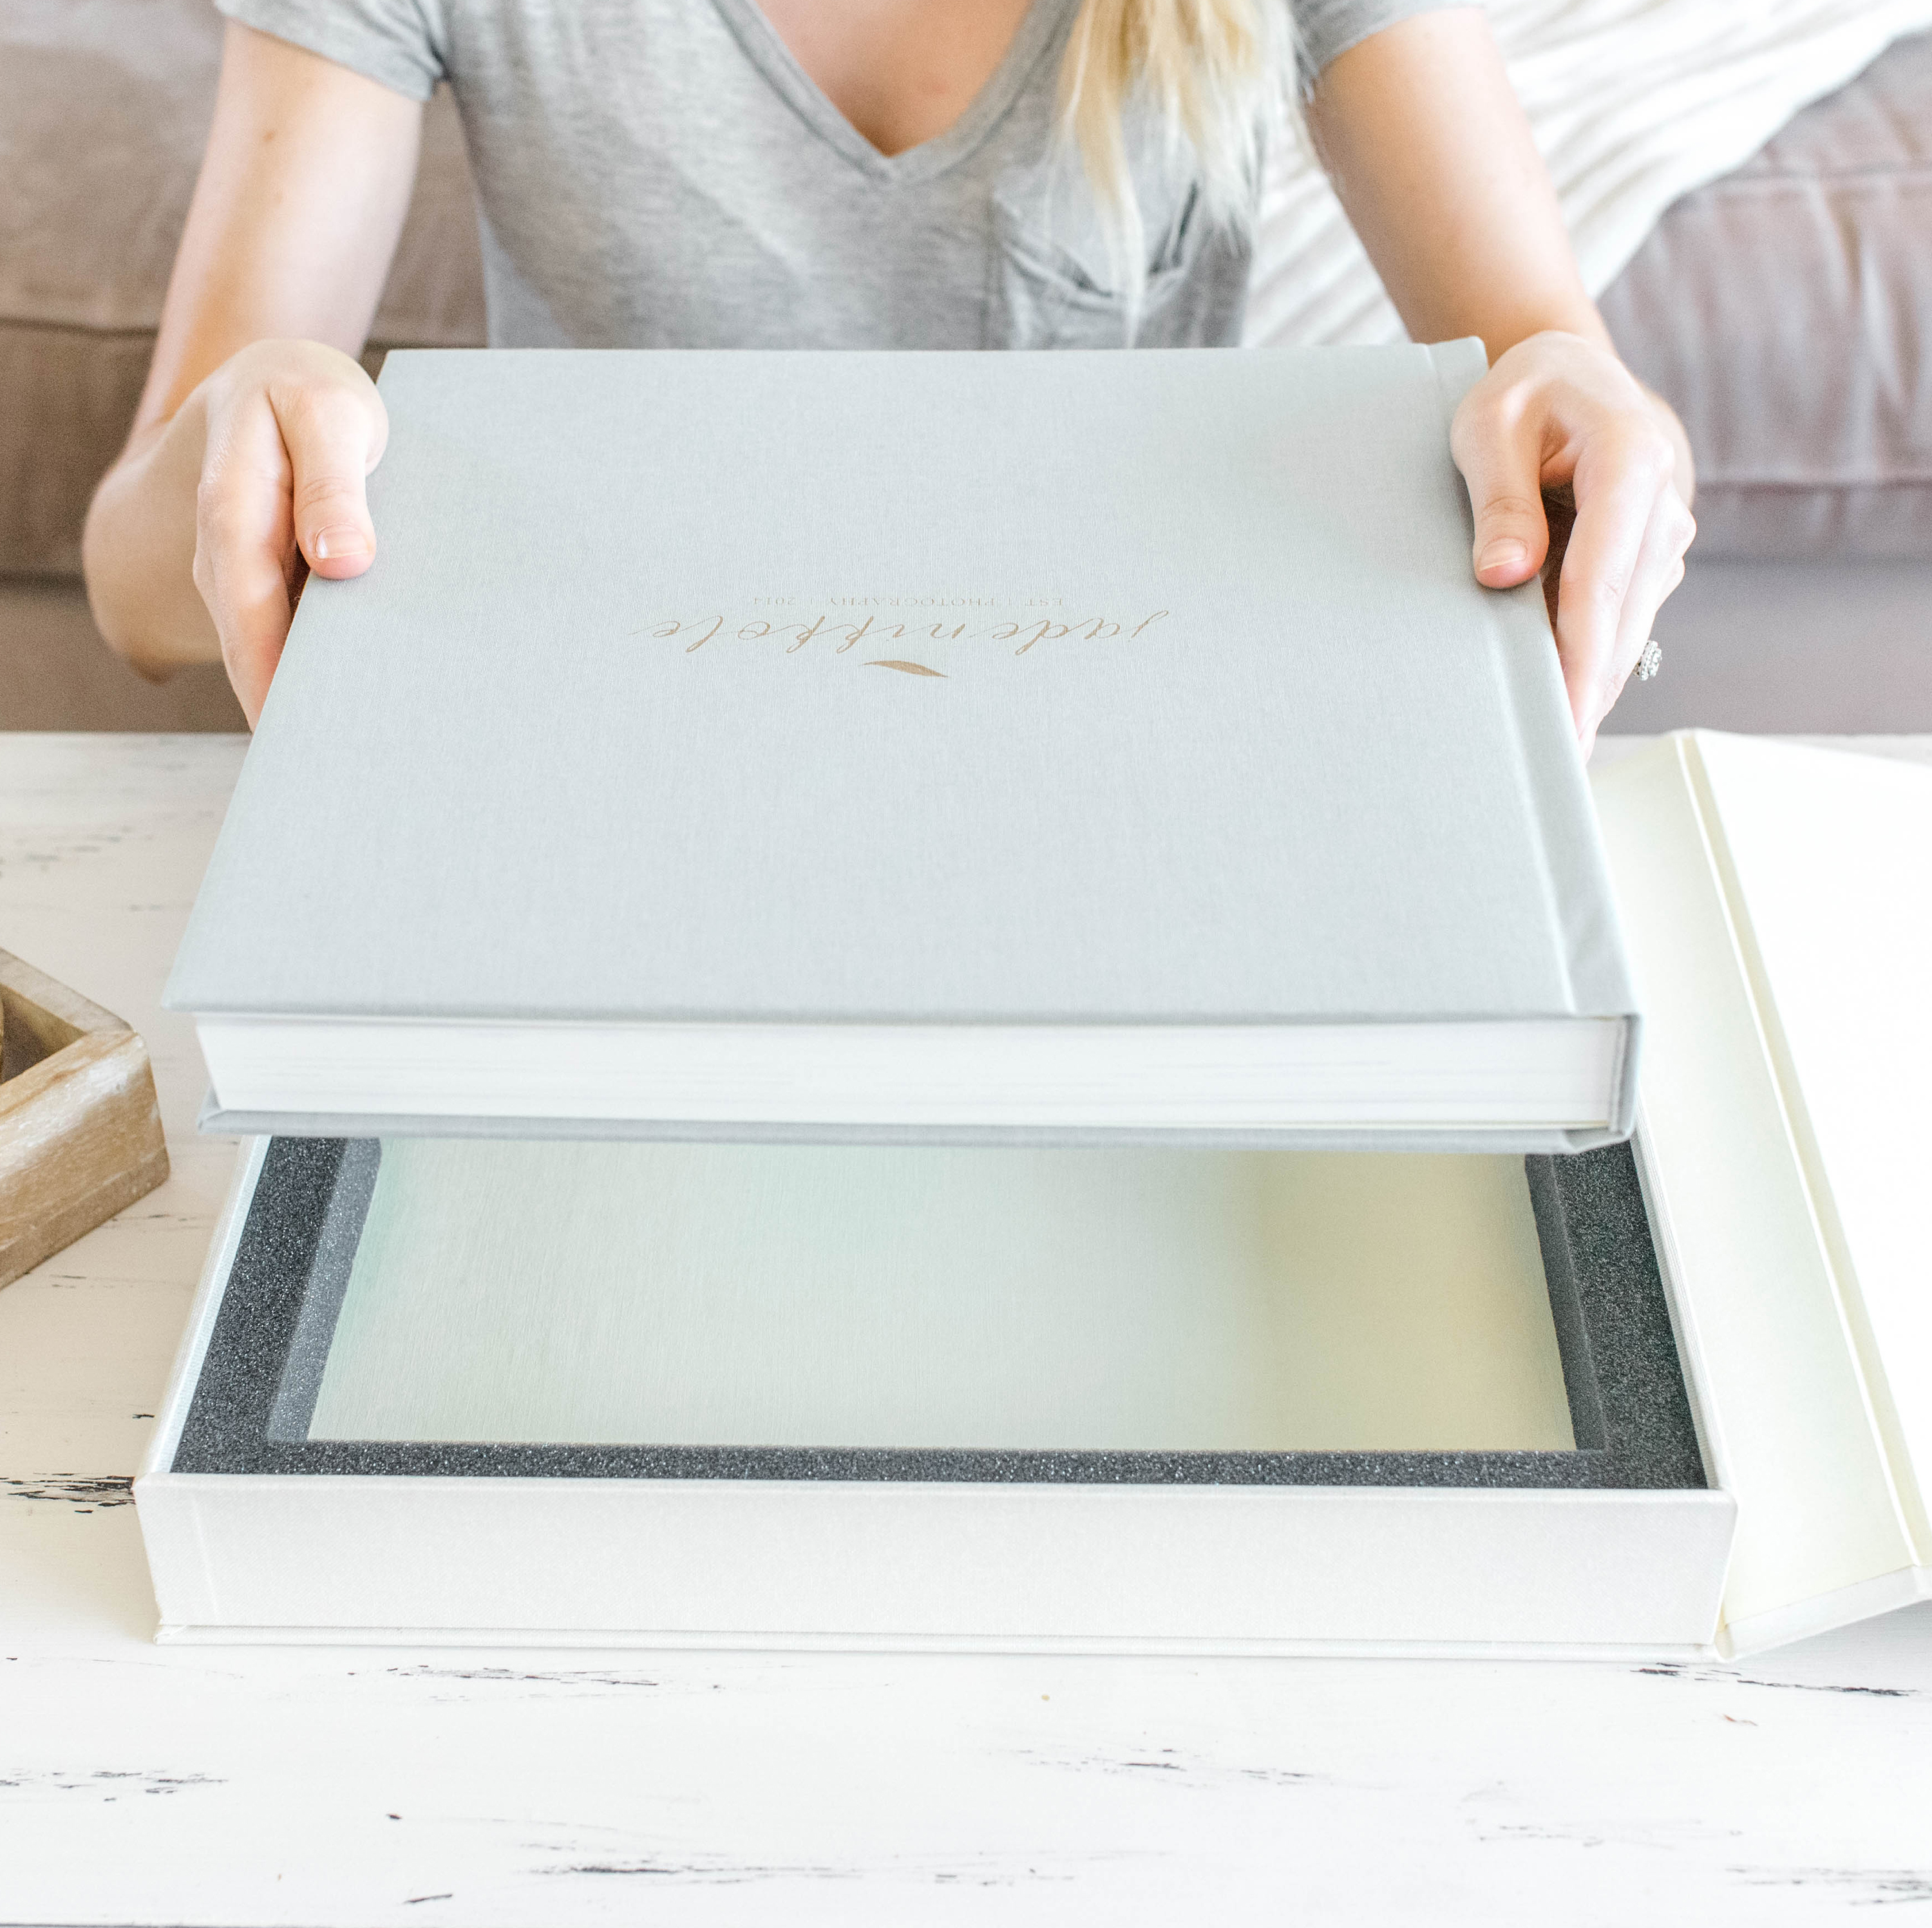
(334, 434)
(1659, 568)
(1499, 447)
(245, 544)
(1621, 474)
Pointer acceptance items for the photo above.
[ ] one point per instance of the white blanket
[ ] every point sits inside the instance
(1633, 103)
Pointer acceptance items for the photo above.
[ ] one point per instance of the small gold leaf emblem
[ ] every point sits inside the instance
(910, 669)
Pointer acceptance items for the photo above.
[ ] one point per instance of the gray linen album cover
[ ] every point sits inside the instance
(1077, 689)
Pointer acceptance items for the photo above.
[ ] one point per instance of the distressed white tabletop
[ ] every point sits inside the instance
(144, 1785)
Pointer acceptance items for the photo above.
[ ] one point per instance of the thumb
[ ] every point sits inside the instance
(1501, 459)
(334, 432)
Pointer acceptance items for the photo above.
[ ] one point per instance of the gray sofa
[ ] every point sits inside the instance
(1786, 309)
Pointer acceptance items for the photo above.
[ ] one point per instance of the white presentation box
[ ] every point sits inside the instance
(1666, 1399)
(682, 1469)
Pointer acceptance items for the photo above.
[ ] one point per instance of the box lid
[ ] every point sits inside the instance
(1779, 902)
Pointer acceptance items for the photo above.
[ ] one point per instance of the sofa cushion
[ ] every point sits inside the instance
(1786, 310)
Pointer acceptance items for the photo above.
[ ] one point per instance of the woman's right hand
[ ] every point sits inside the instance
(290, 432)
(257, 429)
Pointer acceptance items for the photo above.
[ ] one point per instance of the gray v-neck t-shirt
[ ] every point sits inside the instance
(663, 174)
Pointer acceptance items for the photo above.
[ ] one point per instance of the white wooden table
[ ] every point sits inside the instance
(144, 1785)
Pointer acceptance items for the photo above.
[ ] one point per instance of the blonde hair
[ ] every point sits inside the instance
(1211, 71)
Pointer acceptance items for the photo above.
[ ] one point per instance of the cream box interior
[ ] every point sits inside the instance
(703, 1393)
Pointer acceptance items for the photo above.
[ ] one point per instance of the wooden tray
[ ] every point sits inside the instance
(80, 1131)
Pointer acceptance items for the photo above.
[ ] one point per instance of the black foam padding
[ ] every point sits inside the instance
(1592, 1221)
(332, 1257)
(1630, 1412)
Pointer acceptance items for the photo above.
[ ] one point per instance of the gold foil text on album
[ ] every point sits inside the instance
(824, 632)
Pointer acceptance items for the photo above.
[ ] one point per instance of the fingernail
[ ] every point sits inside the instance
(336, 545)
(1505, 553)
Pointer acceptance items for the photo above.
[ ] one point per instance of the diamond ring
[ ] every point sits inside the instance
(1651, 662)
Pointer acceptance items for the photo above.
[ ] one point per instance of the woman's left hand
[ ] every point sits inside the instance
(1558, 410)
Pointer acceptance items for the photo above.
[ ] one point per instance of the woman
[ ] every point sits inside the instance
(847, 173)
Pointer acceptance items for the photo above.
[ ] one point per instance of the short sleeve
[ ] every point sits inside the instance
(1324, 29)
(396, 42)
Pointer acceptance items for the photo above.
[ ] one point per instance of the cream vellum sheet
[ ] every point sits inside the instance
(917, 1297)
(1632, 103)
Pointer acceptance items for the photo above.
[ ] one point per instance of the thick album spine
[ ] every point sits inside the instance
(1585, 931)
